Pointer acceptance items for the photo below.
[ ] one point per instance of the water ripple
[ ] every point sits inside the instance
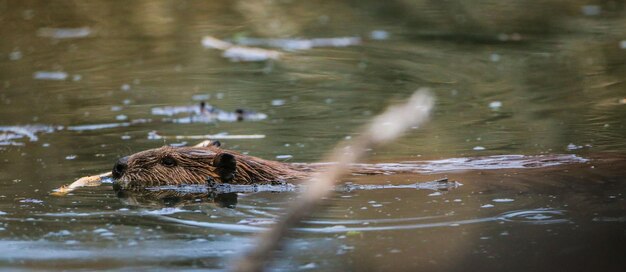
(537, 216)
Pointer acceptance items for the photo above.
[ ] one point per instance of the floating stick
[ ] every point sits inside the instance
(383, 129)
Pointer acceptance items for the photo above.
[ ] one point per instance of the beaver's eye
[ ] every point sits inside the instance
(168, 161)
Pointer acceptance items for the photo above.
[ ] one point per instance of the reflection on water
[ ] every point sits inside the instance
(80, 81)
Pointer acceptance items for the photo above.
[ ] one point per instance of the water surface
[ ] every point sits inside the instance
(80, 82)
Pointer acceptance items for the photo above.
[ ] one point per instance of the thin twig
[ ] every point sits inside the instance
(383, 129)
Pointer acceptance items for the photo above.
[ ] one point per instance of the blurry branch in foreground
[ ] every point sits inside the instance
(383, 129)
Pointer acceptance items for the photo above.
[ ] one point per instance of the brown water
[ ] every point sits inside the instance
(510, 77)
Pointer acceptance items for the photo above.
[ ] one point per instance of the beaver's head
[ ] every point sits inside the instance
(195, 165)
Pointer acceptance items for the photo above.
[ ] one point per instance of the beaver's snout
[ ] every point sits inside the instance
(119, 167)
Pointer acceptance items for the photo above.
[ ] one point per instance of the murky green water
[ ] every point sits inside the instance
(529, 77)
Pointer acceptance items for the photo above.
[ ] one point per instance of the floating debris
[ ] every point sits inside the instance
(5, 139)
(240, 53)
(153, 135)
(572, 146)
(205, 113)
(248, 54)
(503, 200)
(64, 33)
(17, 132)
(97, 126)
(31, 200)
(472, 163)
(45, 75)
(224, 188)
(300, 44)
(435, 185)
(166, 211)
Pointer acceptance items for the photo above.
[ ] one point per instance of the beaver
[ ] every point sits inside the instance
(209, 164)
(199, 165)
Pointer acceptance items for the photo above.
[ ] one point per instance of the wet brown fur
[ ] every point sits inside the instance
(194, 166)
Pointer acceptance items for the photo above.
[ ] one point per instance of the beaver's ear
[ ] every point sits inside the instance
(216, 143)
(225, 165)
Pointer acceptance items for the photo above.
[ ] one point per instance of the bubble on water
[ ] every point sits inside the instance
(435, 194)
(125, 137)
(308, 266)
(107, 234)
(503, 200)
(200, 97)
(50, 75)
(166, 211)
(15, 55)
(31, 200)
(28, 14)
(64, 33)
(121, 117)
(100, 230)
(278, 102)
(59, 233)
(284, 157)
(70, 157)
(495, 105)
(538, 216)
(494, 57)
(591, 10)
(379, 35)
(257, 221)
(479, 148)
(487, 206)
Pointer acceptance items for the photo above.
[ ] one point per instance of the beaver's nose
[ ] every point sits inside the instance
(119, 167)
